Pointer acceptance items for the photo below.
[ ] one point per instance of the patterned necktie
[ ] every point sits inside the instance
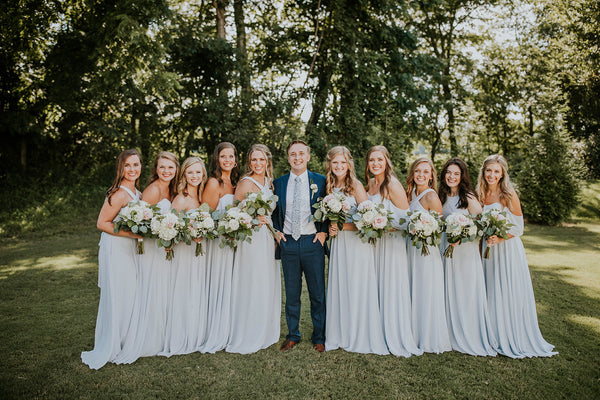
(296, 226)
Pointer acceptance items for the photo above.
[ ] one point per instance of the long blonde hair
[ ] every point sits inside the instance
(410, 179)
(265, 150)
(167, 155)
(350, 178)
(182, 182)
(504, 185)
(388, 172)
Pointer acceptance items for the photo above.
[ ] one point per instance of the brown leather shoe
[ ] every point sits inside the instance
(288, 344)
(320, 347)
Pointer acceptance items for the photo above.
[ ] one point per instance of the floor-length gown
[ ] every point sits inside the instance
(466, 302)
(117, 275)
(218, 278)
(391, 267)
(188, 299)
(429, 324)
(255, 292)
(511, 302)
(148, 323)
(353, 321)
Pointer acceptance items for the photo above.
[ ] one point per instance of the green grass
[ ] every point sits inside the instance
(49, 300)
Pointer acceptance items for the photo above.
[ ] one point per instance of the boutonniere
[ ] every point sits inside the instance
(313, 189)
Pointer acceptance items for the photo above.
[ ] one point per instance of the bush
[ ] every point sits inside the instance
(548, 178)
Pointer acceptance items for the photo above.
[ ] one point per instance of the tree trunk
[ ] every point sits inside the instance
(220, 11)
(242, 53)
(23, 154)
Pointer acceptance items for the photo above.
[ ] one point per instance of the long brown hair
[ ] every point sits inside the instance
(269, 169)
(215, 166)
(182, 182)
(167, 155)
(410, 179)
(120, 172)
(464, 186)
(504, 185)
(387, 174)
(350, 178)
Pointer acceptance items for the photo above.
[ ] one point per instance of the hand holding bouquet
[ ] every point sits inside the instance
(459, 228)
(257, 204)
(424, 230)
(170, 229)
(334, 207)
(201, 225)
(233, 225)
(493, 222)
(135, 217)
(372, 221)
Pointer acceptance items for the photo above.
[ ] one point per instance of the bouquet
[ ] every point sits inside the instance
(256, 204)
(459, 227)
(135, 217)
(424, 230)
(334, 207)
(372, 221)
(233, 225)
(493, 222)
(170, 229)
(200, 224)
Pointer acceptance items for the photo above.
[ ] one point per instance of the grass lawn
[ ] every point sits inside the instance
(49, 300)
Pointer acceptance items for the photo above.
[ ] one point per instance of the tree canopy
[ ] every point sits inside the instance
(80, 80)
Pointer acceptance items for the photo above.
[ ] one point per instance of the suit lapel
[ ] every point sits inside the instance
(283, 198)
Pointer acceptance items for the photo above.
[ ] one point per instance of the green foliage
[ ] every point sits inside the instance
(548, 179)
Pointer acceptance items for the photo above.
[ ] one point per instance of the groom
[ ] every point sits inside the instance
(301, 243)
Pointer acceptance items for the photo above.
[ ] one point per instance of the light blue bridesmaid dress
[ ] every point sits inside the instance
(117, 276)
(188, 300)
(148, 323)
(391, 266)
(511, 303)
(218, 277)
(429, 323)
(466, 302)
(353, 321)
(255, 292)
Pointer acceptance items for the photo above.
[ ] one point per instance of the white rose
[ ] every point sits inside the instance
(369, 216)
(233, 225)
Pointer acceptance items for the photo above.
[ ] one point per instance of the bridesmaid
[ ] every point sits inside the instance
(116, 265)
(188, 295)
(218, 194)
(466, 304)
(511, 302)
(353, 320)
(148, 324)
(391, 263)
(430, 328)
(256, 283)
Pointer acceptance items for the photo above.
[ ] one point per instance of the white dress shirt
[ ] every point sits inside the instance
(308, 226)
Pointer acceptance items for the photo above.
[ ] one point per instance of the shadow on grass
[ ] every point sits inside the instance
(48, 316)
(542, 238)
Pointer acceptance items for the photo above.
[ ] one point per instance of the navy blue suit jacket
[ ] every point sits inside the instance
(280, 189)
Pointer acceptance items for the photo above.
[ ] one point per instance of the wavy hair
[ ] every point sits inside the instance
(182, 181)
(167, 155)
(215, 166)
(350, 178)
(388, 172)
(120, 172)
(464, 186)
(505, 185)
(265, 150)
(410, 179)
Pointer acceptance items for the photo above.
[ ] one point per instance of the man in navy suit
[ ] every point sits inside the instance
(301, 243)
